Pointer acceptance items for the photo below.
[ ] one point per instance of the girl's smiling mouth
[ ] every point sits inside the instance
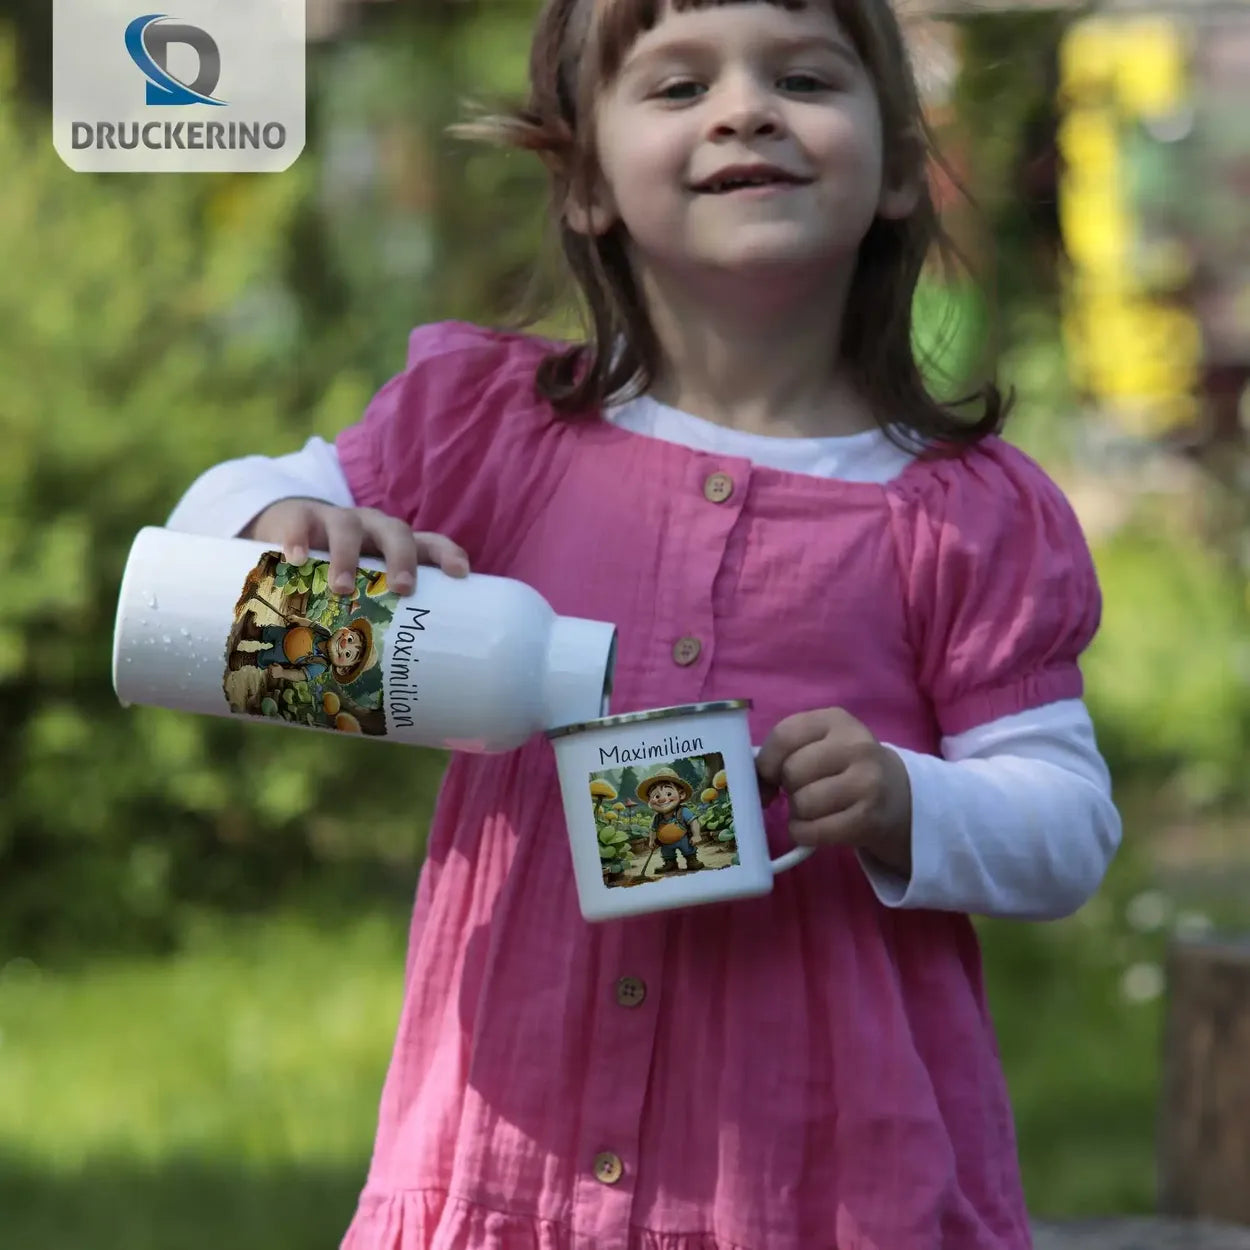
(753, 179)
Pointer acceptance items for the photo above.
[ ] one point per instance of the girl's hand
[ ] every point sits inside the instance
(296, 525)
(843, 786)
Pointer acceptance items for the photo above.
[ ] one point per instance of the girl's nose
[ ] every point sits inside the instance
(747, 109)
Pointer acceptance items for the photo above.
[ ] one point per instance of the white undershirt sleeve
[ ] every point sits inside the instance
(1016, 819)
(224, 500)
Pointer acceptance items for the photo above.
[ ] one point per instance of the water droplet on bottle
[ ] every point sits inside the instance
(185, 632)
(152, 603)
(166, 639)
(126, 704)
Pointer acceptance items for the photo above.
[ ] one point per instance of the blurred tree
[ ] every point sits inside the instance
(151, 330)
(1004, 103)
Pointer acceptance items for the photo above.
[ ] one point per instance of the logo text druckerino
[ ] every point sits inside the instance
(182, 136)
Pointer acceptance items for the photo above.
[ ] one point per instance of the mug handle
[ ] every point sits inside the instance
(791, 859)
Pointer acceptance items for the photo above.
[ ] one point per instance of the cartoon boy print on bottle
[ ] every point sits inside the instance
(303, 650)
(674, 825)
(299, 653)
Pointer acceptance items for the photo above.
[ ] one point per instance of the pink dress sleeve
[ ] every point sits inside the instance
(437, 439)
(1001, 588)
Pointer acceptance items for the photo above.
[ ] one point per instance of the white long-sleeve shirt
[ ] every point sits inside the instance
(1015, 818)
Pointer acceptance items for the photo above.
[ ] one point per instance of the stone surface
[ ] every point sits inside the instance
(1144, 1233)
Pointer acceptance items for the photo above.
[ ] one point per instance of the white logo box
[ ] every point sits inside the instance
(205, 86)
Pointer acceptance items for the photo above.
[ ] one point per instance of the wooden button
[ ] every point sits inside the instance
(718, 487)
(686, 651)
(608, 1168)
(630, 992)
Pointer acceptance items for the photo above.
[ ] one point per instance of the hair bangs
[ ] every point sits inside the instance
(619, 24)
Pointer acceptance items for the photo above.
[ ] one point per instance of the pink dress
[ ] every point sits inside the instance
(807, 1071)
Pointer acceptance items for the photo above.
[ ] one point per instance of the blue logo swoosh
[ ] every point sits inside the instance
(162, 89)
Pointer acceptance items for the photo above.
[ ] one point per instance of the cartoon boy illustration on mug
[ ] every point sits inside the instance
(674, 825)
(303, 650)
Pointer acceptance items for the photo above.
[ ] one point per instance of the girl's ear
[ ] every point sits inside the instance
(903, 181)
(590, 213)
(899, 202)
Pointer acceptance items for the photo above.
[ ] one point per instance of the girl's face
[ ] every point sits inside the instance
(770, 96)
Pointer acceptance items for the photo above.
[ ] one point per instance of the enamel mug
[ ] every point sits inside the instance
(663, 810)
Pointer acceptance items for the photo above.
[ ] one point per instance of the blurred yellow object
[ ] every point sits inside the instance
(1087, 55)
(1096, 229)
(1152, 67)
(1138, 356)
(1092, 211)
(1142, 60)
(1088, 140)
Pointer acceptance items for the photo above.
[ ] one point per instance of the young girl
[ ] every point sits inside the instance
(742, 470)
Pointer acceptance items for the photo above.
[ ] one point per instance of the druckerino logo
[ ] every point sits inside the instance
(219, 87)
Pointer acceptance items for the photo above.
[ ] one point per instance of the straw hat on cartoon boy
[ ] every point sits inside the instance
(647, 784)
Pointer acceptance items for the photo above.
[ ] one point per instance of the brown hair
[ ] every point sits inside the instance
(578, 46)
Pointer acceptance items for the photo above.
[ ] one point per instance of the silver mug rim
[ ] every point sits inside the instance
(638, 718)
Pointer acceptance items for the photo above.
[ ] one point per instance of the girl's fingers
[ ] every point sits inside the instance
(438, 549)
(842, 828)
(345, 532)
(397, 544)
(826, 796)
(297, 535)
(291, 524)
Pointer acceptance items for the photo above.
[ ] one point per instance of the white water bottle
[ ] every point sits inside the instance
(227, 627)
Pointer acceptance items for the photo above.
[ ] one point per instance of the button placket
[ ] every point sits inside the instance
(705, 504)
(619, 1047)
(622, 1038)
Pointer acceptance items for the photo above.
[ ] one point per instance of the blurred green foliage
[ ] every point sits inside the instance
(151, 328)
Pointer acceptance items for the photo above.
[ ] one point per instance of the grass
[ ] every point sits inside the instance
(226, 1096)
(1082, 1059)
(222, 1097)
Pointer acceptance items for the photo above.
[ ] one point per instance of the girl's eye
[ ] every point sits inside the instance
(802, 84)
(681, 91)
